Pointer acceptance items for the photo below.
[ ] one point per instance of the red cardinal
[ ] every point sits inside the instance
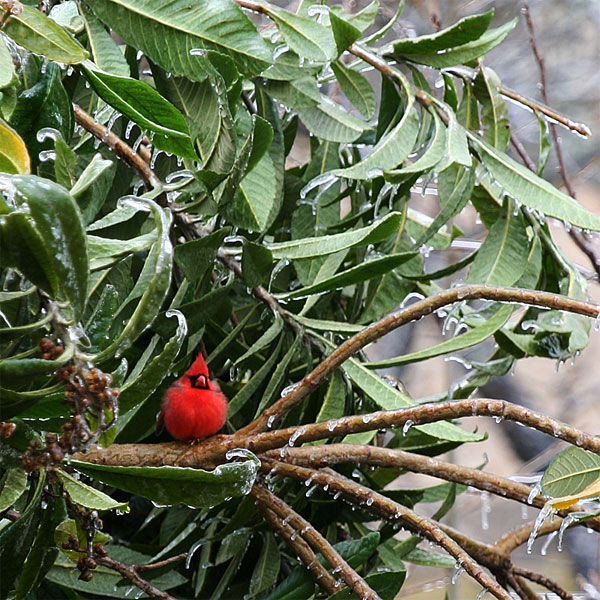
(194, 407)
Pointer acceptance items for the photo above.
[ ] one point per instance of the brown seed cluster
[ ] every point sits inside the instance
(86, 563)
(88, 394)
(7, 429)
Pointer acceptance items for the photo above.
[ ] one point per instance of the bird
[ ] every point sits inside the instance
(194, 407)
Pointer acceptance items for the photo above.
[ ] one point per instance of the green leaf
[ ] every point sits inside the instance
(158, 266)
(344, 32)
(328, 244)
(105, 52)
(390, 150)
(23, 247)
(330, 121)
(7, 68)
(256, 198)
(88, 496)
(455, 185)
(43, 552)
(334, 402)
(466, 30)
(570, 472)
(142, 104)
(104, 252)
(13, 486)
(44, 104)
(303, 35)
(529, 189)
(428, 558)
(390, 398)
(459, 55)
(36, 32)
(179, 485)
(273, 389)
(362, 19)
(323, 325)
(357, 89)
(58, 219)
(363, 272)
(494, 111)
(267, 566)
(16, 539)
(264, 340)
(239, 400)
(197, 256)
(501, 259)
(430, 157)
(138, 390)
(167, 32)
(256, 263)
(470, 338)
(387, 585)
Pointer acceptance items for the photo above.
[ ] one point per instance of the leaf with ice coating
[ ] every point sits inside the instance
(178, 485)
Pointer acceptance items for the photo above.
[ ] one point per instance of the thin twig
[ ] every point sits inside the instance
(354, 581)
(582, 240)
(542, 580)
(161, 563)
(333, 454)
(412, 313)
(385, 507)
(299, 547)
(129, 572)
(117, 145)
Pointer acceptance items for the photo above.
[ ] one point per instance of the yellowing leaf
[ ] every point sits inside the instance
(14, 157)
(567, 501)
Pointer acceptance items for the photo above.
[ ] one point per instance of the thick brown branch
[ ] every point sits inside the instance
(117, 145)
(317, 541)
(412, 313)
(299, 548)
(333, 454)
(211, 452)
(388, 509)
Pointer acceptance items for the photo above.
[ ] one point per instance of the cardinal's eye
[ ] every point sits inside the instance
(199, 382)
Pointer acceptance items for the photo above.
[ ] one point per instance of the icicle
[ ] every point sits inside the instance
(544, 514)
(407, 425)
(486, 509)
(547, 542)
(290, 388)
(535, 490)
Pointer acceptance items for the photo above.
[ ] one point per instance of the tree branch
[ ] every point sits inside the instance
(385, 507)
(298, 546)
(118, 146)
(333, 454)
(354, 581)
(211, 452)
(582, 240)
(392, 321)
(130, 572)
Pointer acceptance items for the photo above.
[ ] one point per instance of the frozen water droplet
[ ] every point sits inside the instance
(543, 515)
(288, 389)
(547, 542)
(331, 425)
(240, 453)
(367, 418)
(486, 509)
(535, 490)
(407, 425)
(271, 421)
(47, 133)
(197, 52)
(457, 573)
(369, 502)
